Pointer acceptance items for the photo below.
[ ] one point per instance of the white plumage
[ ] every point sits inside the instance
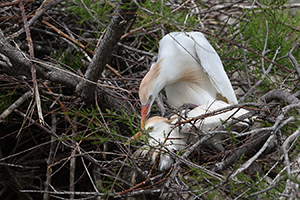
(189, 69)
(164, 131)
(160, 133)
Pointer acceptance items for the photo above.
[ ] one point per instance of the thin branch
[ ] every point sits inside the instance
(293, 59)
(47, 4)
(15, 105)
(251, 90)
(32, 67)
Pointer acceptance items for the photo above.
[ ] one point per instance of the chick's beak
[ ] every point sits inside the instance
(144, 113)
(137, 136)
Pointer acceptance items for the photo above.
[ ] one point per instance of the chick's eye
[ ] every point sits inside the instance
(150, 128)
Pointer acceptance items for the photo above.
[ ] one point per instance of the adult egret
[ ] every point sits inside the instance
(164, 132)
(189, 69)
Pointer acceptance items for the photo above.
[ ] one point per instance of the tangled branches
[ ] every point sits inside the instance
(68, 107)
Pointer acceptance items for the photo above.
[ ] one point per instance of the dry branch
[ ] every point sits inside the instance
(54, 73)
(106, 168)
(15, 105)
(124, 14)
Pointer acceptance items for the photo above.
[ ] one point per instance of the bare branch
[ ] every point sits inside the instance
(15, 105)
(124, 14)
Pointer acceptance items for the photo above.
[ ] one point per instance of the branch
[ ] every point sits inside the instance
(21, 64)
(293, 59)
(42, 9)
(15, 105)
(125, 12)
(281, 95)
(265, 73)
(33, 67)
(244, 47)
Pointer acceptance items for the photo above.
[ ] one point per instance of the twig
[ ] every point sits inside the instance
(245, 62)
(136, 50)
(88, 10)
(281, 95)
(63, 107)
(73, 164)
(251, 90)
(6, 4)
(292, 188)
(46, 195)
(33, 67)
(15, 105)
(293, 59)
(88, 173)
(251, 160)
(137, 29)
(264, 50)
(68, 37)
(44, 7)
(244, 47)
(67, 192)
(285, 147)
(18, 166)
(142, 8)
(252, 7)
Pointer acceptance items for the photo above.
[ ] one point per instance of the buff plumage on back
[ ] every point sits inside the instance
(189, 69)
(199, 50)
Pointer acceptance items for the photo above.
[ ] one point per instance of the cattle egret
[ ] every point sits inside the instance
(165, 132)
(189, 69)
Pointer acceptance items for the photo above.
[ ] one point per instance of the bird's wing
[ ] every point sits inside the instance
(212, 65)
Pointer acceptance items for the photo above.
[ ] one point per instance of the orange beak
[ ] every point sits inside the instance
(144, 113)
(137, 136)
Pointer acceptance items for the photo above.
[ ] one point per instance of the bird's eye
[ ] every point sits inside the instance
(150, 128)
(150, 97)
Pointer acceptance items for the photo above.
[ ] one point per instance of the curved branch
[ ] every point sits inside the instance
(283, 96)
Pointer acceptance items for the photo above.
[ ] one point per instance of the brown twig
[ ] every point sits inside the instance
(63, 107)
(68, 37)
(33, 67)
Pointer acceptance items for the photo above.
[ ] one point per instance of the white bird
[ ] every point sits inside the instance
(166, 132)
(161, 133)
(189, 69)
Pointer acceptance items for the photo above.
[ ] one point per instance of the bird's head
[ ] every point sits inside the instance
(150, 86)
(156, 127)
(159, 129)
(146, 101)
